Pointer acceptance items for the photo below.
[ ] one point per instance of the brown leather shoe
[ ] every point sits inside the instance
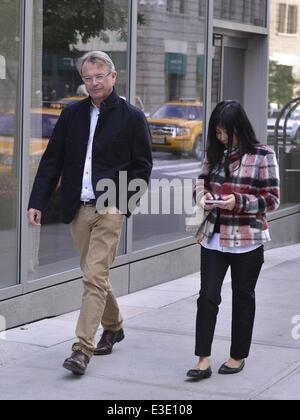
(108, 339)
(77, 363)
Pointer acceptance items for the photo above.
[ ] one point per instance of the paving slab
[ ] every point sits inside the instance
(177, 318)
(153, 298)
(286, 388)
(10, 352)
(142, 367)
(278, 302)
(286, 270)
(46, 333)
(128, 312)
(53, 385)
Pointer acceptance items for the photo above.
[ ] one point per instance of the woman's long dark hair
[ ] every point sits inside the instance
(230, 116)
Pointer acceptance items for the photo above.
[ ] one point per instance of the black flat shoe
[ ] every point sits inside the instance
(225, 370)
(199, 374)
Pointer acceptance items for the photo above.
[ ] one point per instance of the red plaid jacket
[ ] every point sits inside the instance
(254, 180)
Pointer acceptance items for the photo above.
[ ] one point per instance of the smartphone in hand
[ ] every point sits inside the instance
(212, 202)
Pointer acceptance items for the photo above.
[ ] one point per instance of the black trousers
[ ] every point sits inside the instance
(245, 270)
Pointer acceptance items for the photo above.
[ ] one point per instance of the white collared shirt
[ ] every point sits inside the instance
(87, 192)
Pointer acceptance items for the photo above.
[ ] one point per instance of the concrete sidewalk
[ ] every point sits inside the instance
(152, 362)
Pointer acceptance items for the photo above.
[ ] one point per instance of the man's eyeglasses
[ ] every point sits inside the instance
(99, 78)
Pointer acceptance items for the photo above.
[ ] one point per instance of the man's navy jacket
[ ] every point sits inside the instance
(122, 142)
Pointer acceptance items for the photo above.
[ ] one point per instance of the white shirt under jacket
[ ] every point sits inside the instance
(87, 192)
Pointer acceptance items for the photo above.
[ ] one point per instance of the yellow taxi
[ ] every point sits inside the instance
(177, 127)
(42, 123)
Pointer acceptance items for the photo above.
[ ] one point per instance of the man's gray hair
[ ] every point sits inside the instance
(96, 57)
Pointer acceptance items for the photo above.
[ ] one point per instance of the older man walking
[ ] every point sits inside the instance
(93, 140)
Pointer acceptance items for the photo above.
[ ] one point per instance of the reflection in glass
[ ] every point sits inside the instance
(180, 111)
(284, 85)
(169, 85)
(62, 32)
(251, 12)
(9, 140)
(217, 65)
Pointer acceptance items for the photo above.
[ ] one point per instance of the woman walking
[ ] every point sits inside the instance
(242, 176)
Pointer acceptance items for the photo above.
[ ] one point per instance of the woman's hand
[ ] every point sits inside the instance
(228, 202)
(207, 196)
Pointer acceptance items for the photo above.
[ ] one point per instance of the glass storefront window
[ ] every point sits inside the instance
(284, 86)
(251, 12)
(62, 32)
(169, 89)
(10, 34)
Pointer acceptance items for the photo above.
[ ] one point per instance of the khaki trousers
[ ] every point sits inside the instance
(96, 239)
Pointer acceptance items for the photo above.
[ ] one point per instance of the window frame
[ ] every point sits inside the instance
(288, 18)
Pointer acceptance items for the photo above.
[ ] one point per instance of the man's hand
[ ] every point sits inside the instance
(34, 217)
